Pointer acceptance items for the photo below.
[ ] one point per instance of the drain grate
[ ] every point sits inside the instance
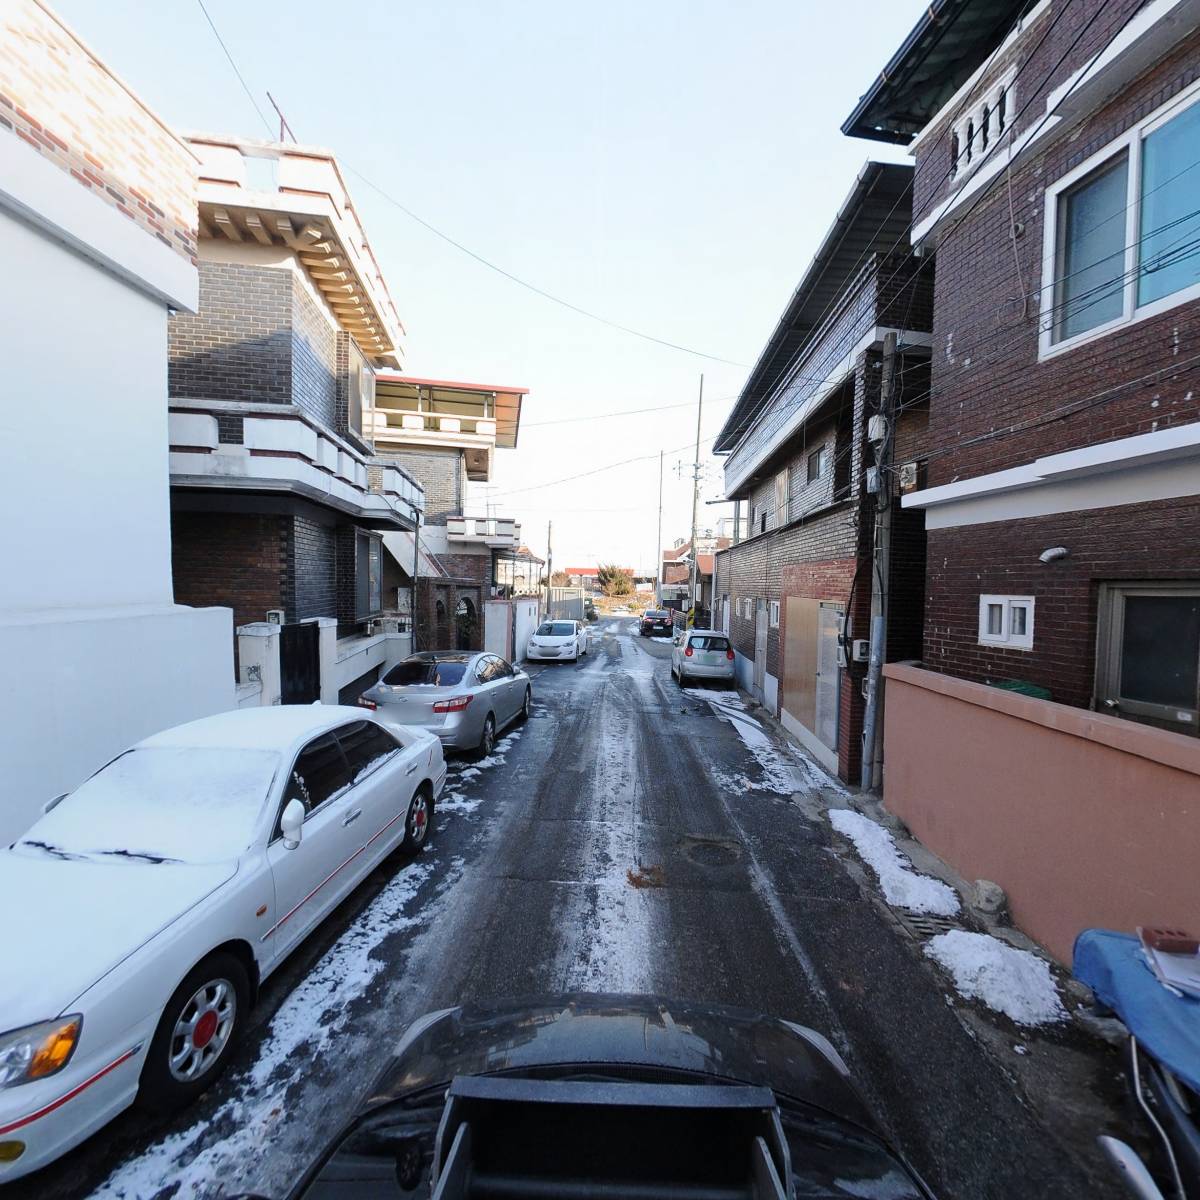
(925, 925)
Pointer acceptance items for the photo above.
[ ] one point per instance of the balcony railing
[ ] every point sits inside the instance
(492, 531)
(382, 422)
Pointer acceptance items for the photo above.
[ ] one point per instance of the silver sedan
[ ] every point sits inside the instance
(463, 697)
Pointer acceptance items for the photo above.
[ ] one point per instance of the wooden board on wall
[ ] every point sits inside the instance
(800, 660)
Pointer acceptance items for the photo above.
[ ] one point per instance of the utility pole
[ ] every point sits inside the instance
(549, 564)
(872, 742)
(658, 546)
(695, 505)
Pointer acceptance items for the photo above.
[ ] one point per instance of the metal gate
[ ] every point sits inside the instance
(300, 663)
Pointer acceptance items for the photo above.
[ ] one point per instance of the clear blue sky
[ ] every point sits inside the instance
(672, 166)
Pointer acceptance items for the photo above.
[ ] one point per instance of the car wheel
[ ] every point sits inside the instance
(417, 821)
(680, 676)
(487, 739)
(526, 705)
(198, 1027)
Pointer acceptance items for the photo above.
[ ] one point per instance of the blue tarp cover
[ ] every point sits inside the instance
(1167, 1025)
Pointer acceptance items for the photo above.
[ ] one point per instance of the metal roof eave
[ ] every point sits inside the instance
(854, 234)
(952, 38)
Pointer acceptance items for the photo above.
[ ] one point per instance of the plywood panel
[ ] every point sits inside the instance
(800, 660)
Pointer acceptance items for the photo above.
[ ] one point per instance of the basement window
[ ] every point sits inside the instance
(1006, 621)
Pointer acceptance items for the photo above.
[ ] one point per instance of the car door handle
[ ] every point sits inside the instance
(350, 818)
(410, 769)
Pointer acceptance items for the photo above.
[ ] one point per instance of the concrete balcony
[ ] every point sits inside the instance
(500, 533)
(239, 447)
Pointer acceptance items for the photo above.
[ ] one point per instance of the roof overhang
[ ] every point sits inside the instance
(875, 216)
(504, 401)
(948, 43)
(309, 212)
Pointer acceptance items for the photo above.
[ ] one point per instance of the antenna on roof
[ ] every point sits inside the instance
(284, 127)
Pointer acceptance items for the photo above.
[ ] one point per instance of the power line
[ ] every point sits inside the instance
(627, 412)
(532, 287)
(236, 71)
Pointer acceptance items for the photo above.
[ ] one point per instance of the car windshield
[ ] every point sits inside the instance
(426, 672)
(182, 804)
(555, 629)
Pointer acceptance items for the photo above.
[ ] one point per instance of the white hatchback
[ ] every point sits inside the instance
(558, 640)
(157, 896)
(702, 654)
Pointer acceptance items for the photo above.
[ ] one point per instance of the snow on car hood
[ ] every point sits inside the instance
(72, 921)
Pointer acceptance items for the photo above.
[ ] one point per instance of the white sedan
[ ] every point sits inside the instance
(145, 908)
(557, 640)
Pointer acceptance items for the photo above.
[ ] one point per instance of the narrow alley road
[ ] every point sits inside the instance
(626, 838)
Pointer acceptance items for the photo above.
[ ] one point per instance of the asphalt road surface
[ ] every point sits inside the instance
(624, 839)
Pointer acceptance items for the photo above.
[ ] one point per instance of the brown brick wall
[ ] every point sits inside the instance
(65, 104)
(237, 560)
(1159, 540)
(995, 406)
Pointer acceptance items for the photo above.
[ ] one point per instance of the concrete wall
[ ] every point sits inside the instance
(1083, 819)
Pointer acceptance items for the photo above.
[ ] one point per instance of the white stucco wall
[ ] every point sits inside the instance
(83, 431)
(94, 654)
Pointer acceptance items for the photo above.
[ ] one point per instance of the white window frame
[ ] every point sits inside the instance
(773, 614)
(1129, 143)
(1005, 638)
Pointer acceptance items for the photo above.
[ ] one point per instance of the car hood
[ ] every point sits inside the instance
(642, 1031)
(71, 921)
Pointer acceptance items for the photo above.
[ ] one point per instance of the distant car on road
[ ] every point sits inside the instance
(462, 697)
(656, 622)
(702, 654)
(156, 898)
(589, 609)
(558, 640)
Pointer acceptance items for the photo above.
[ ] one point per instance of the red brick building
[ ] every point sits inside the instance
(1057, 174)
(1056, 186)
(795, 593)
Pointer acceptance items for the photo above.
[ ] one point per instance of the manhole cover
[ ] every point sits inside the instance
(711, 852)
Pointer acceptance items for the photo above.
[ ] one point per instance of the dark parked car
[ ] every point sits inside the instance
(656, 622)
(614, 1096)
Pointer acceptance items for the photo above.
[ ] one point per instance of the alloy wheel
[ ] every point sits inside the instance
(488, 741)
(418, 819)
(202, 1030)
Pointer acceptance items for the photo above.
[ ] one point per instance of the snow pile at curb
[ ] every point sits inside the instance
(1009, 981)
(901, 885)
(779, 776)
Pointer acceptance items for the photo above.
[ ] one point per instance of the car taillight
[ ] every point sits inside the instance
(688, 652)
(363, 702)
(455, 705)
(729, 655)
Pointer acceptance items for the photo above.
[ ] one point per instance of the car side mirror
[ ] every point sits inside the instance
(291, 823)
(54, 803)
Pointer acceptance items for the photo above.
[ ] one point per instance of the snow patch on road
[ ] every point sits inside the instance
(468, 772)
(901, 885)
(1009, 981)
(308, 1020)
(456, 802)
(667, 640)
(779, 776)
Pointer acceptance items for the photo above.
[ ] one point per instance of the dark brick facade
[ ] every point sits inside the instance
(995, 405)
(1156, 541)
(311, 577)
(238, 560)
(443, 475)
(238, 346)
(314, 360)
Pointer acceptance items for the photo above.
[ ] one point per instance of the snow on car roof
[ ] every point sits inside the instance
(277, 727)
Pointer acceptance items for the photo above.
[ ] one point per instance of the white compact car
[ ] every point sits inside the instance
(155, 898)
(558, 640)
(702, 654)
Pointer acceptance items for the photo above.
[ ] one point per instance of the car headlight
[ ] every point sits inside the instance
(38, 1050)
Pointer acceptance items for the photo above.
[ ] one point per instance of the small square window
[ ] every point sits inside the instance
(1006, 621)
(774, 614)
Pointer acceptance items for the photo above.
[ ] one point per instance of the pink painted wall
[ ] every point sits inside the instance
(1083, 819)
